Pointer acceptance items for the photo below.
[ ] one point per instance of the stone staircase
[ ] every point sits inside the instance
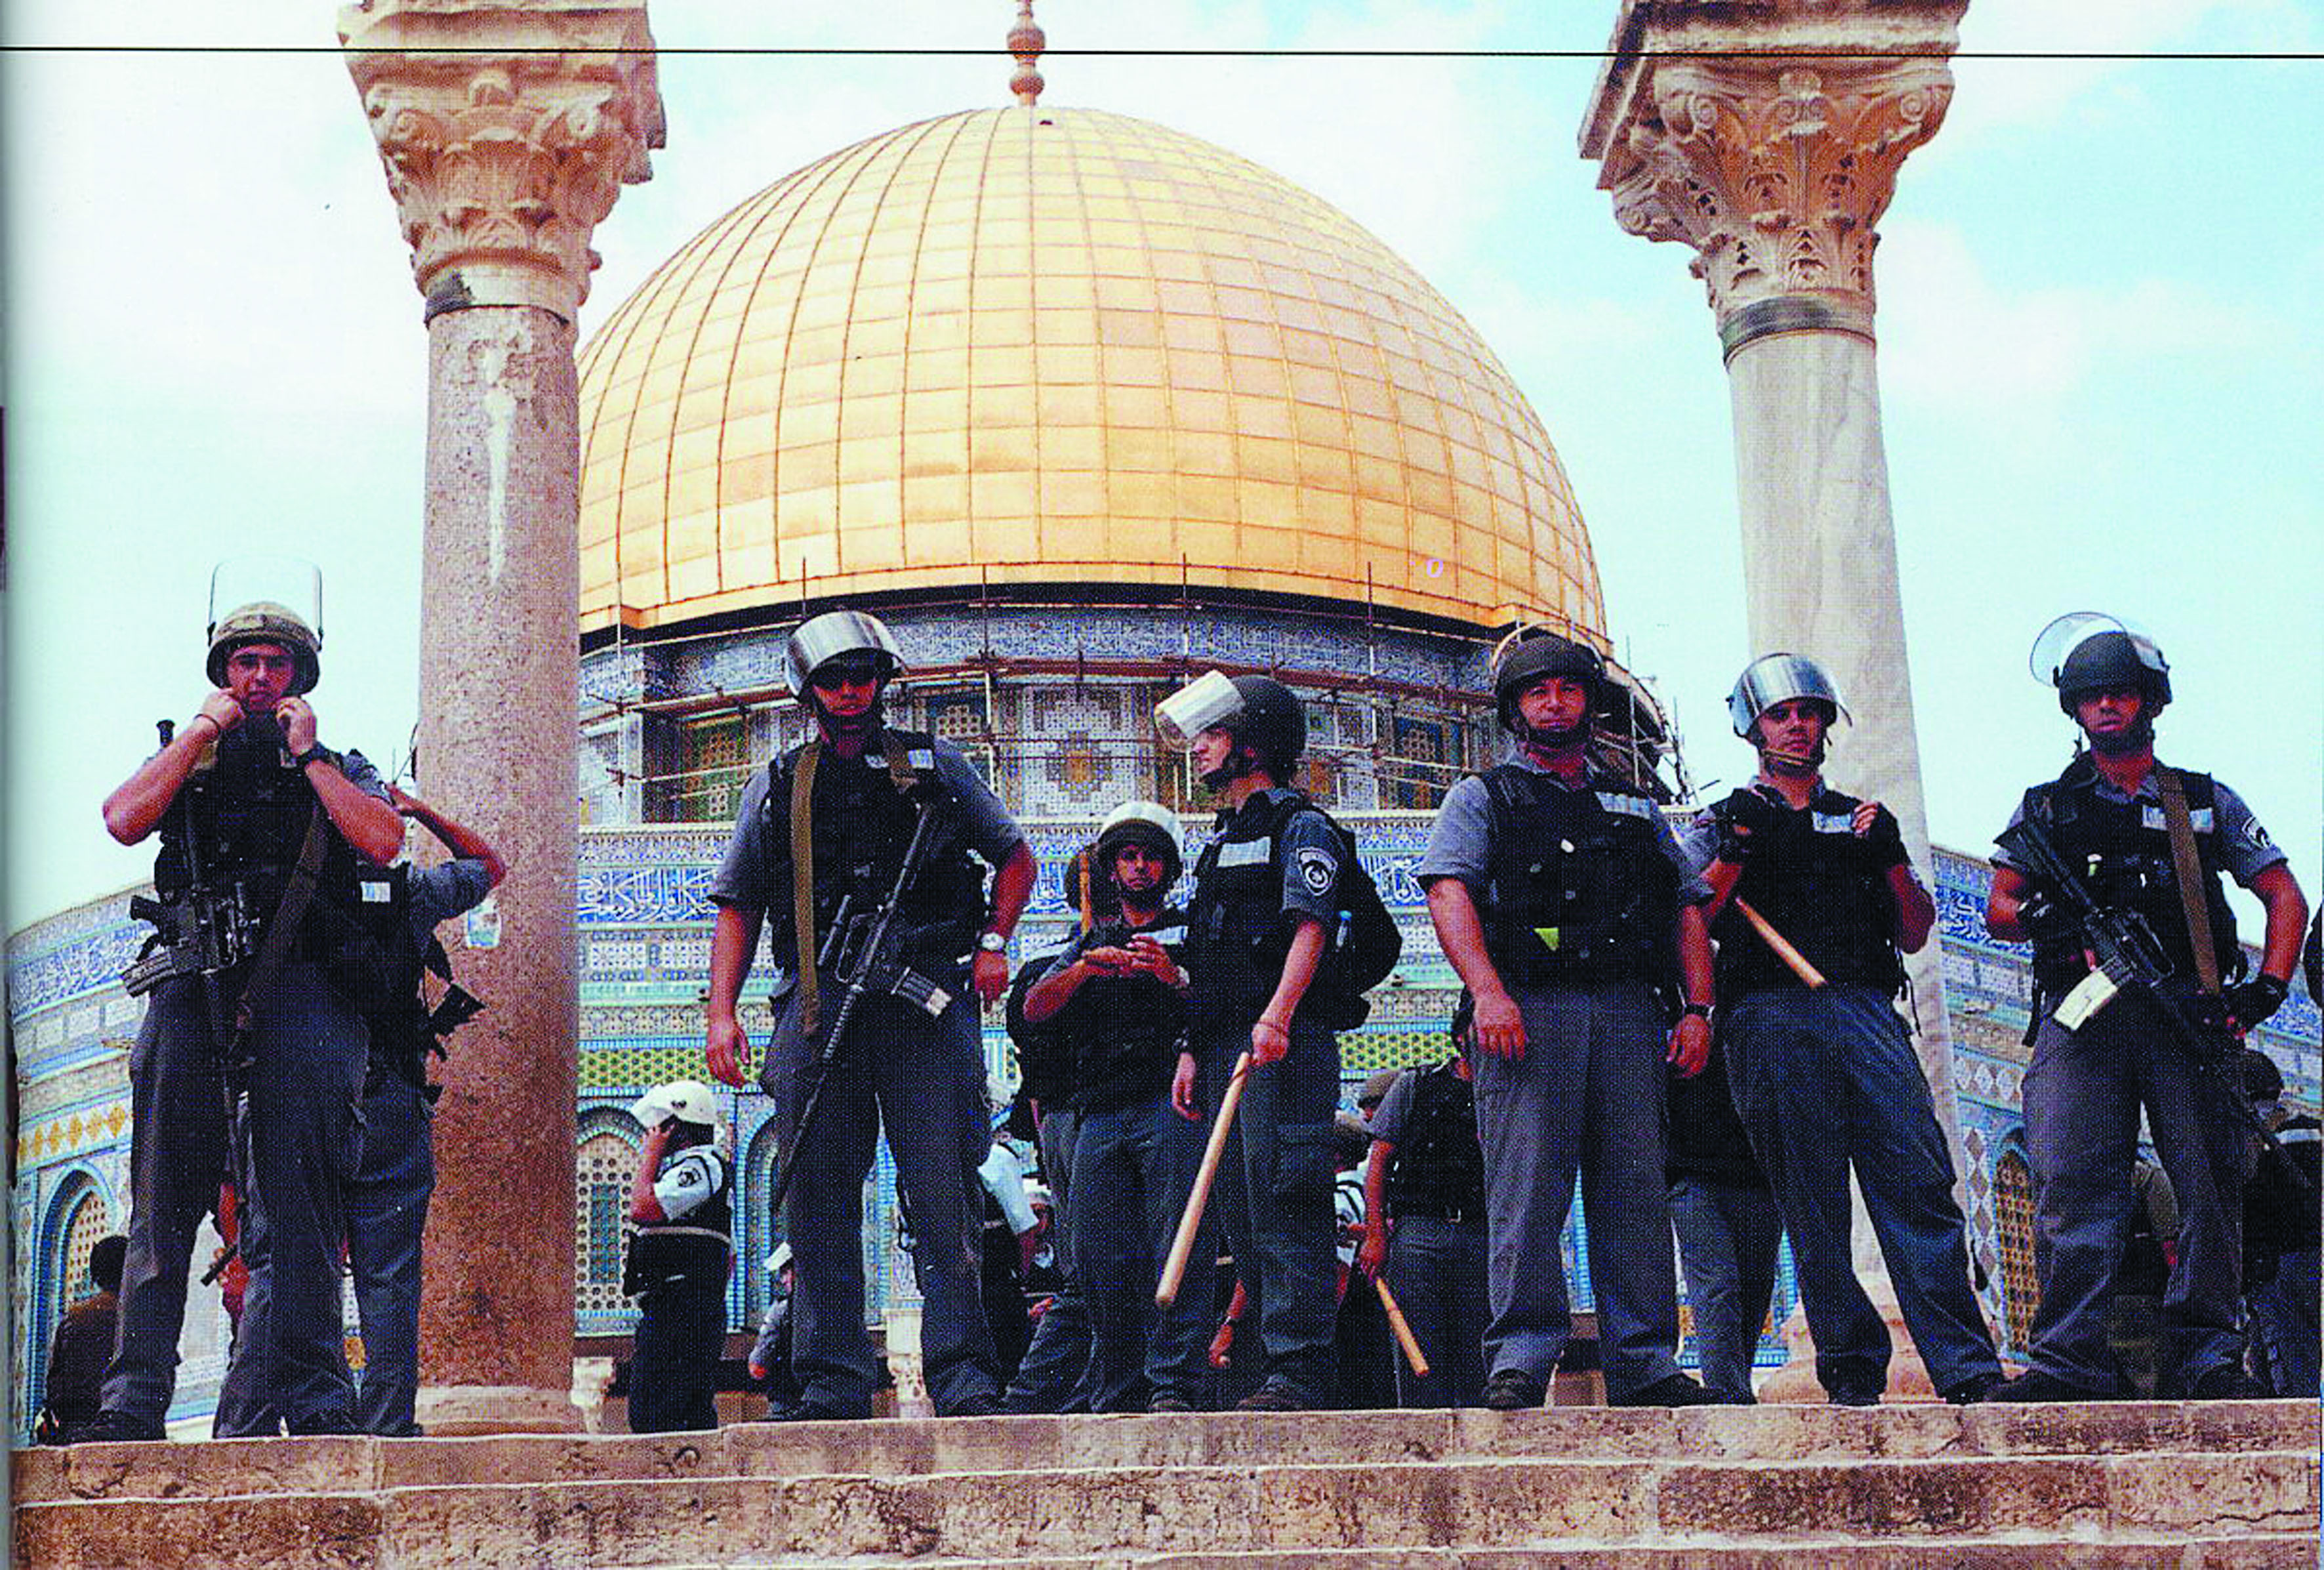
(2147, 1484)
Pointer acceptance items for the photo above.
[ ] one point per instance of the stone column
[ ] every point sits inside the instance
(507, 131)
(1767, 136)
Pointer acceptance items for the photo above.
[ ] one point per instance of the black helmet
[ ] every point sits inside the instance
(1530, 653)
(2089, 651)
(1258, 711)
(1272, 722)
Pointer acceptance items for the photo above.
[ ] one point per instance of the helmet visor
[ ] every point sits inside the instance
(822, 639)
(1205, 703)
(1776, 679)
(2059, 640)
(289, 582)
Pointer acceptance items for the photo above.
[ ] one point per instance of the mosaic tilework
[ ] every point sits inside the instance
(641, 1024)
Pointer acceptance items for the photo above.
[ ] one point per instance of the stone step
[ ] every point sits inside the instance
(2252, 1506)
(892, 1449)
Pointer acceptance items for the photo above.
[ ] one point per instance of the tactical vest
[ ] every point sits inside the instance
(1439, 1168)
(1578, 886)
(1125, 1030)
(1816, 882)
(690, 1252)
(380, 965)
(1236, 933)
(2125, 847)
(859, 826)
(246, 808)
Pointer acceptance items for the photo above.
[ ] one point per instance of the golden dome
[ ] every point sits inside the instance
(1038, 346)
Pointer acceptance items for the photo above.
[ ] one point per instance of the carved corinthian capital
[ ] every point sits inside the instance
(1721, 125)
(507, 129)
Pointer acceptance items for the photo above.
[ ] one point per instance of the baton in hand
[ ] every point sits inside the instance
(1182, 1248)
(1402, 1328)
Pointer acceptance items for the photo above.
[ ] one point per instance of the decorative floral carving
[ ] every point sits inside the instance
(1774, 168)
(507, 132)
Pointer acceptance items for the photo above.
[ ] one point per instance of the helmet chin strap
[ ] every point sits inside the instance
(834, 726)
(1553, 741)
(1239, 760)
(2138, 736)
(1788, 763)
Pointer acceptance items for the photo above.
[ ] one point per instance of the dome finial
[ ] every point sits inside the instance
(1026, 42)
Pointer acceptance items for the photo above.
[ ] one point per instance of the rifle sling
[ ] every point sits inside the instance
(282, 927)
(803, 879)
(2188, 870)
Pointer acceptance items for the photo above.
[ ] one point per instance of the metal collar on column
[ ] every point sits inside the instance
(1792, 313)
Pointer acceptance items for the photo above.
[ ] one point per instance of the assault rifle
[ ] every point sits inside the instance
(863, 952)
(2126, 955)
(206, 932)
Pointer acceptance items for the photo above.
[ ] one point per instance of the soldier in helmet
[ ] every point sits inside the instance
(258, 821)
(1115, 998)
(1824, 1077)
(2111, 813)
(1564, 902)
(679, 1259)
(819, 838)
(1266, 897)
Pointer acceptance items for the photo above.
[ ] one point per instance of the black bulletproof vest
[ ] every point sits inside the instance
(691, 1252)
(1438, 1168)
(1236, 934)
(398, 1018)
(2124, 851)
(1578, 887)
(248, 808)
(860, 825)
(1125, 1030)
(1816, 882)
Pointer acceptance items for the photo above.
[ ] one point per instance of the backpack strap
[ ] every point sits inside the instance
(2187, 863)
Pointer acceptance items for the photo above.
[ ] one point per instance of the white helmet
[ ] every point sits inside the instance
(689, 1101)
(819, 640)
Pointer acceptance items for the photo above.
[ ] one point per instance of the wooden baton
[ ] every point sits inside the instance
(1780, 944)
(1402, 1328)
(1181, 1247)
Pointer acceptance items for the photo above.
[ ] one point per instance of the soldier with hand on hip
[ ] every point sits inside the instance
(2144, 848)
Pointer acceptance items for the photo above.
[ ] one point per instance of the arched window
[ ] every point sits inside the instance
(2012, 1224)
(606, 1160)
(89, 1220)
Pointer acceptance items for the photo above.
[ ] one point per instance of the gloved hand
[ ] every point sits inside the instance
(2253, 1001)
(1739, 818)
(2047, 923)
(1885, 839)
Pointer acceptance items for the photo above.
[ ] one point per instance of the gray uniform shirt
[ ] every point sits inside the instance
(1459, 842)
(743, 878)
(2242, 845)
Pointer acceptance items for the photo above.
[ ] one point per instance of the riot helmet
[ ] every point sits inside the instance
(1527, 655)
(1774, 678)
(2085, 651)
(686, 1101)
(267, 599)
(1265, 718)
(841, 638)
(1145, 823)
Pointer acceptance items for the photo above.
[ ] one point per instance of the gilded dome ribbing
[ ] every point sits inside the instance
(1041, 346)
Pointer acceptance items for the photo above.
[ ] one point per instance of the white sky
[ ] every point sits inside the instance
(2099, 345)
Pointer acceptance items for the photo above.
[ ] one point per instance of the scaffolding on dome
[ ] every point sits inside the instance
(1376, 742)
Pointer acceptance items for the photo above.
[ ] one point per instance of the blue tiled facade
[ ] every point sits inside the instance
(644, 920)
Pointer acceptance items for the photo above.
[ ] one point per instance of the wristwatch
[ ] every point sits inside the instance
(1699, 1010)
(992, 943)
(300, 759)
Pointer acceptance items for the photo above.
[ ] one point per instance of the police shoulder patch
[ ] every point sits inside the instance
(1318, 868)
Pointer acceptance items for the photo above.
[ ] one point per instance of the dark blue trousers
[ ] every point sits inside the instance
(1436, 1269)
